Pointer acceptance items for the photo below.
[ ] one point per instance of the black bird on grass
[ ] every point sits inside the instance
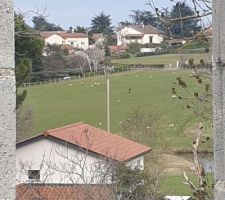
(129, 91)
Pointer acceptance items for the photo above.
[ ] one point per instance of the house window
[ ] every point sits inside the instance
(150, 39)
(72, 43)
(34, 174)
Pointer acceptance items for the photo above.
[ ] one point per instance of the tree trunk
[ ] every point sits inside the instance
(7, 102)
(219, 96)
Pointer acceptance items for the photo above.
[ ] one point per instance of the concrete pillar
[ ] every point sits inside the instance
(219, 96)
(7, 102)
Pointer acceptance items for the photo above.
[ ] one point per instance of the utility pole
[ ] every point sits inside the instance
(107, 98)
(219, 96)
(7, 102)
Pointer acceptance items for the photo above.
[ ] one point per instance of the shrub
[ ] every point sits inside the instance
(122, 56)
(134, 47)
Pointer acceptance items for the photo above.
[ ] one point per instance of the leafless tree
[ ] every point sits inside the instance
(141, 127)
(204, 189)
(202, 10)
(96, 55)
(85, 57)
(78, 60)
(24, 121)
(198, 98)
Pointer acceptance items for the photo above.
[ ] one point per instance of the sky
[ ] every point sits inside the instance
(68, 13)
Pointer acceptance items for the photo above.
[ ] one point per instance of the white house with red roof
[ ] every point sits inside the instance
(75, 154)
(142, 34)
(76, 40)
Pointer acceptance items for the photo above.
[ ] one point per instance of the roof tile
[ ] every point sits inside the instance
(97, 141)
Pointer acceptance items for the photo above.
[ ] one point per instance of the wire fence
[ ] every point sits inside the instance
(116, 70)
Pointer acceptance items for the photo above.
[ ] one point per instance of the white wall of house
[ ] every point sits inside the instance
(46, 155)
(136, 163)
(54, 39)
(148, 50)
(156, 39)
(122, 40)
(82, 43)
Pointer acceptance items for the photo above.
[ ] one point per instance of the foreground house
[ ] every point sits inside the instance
(142, 34)
(75, 40)
(75, 154)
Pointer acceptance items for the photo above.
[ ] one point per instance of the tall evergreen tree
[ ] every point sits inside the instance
(28, 52)
(183, 27)
(80, 29)
(102, 24)
(41, 24)
(143, 17)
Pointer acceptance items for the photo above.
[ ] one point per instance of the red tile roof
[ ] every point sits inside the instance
(117, 48)
(145, 29)
(62, 192)
(208, 32)
(63, 34)
(97, 141)
(67, 47)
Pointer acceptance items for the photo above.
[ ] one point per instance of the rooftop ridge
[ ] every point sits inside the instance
(64, 127)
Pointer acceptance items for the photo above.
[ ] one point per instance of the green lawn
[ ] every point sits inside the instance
(60, 104)
(161, 59)
(174, 185)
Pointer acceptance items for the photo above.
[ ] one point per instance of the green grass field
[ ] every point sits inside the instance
(174, 185)
(59, 104)
(161, 59)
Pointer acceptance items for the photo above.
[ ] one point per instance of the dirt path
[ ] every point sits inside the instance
(175, 165)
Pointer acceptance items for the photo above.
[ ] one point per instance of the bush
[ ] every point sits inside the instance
(122, 56)
(134, 47)
(151, 66)
(197, 45)
(150, 45)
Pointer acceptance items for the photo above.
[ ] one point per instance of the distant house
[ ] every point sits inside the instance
(208, 34)
(98, 38)
(142, 34)
(75, 154)
(176, 41)
(75, 40)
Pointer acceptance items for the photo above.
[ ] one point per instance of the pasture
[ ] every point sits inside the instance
(166, 59)
(60, 104)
